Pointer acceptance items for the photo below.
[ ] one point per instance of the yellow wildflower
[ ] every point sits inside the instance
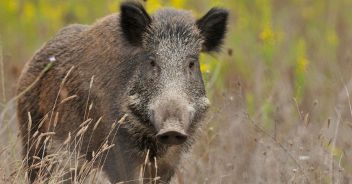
(152, 5)
(12, 5)
(332, 38)
(178, 3)
(302, 63)
(112, 6)
(267, 34)
(204, 67)
(28, 12)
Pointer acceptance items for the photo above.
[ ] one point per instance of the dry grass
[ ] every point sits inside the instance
(232, 148)
(64, 160)
(238, 149)
(281, 106)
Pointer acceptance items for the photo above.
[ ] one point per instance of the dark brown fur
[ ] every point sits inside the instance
(90, 79)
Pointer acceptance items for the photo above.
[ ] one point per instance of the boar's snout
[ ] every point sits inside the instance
(171, 119)
(171, 136)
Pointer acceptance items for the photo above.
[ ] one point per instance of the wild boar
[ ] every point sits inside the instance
(122, 92)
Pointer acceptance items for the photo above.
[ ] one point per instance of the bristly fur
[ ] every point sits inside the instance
(140, 64)
(174, 26)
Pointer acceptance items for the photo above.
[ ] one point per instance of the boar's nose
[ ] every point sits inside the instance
(171, 137)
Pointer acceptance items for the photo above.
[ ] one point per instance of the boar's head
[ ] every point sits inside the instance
(167, 90)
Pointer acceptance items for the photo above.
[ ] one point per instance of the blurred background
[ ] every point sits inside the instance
(280, 88)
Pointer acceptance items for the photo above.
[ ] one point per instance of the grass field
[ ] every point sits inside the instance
(280, 89)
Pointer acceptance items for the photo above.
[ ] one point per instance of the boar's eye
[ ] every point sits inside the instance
(151, 60)
(191, 64)
(152, 63)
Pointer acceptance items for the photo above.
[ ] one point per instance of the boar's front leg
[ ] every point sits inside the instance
(119, 167)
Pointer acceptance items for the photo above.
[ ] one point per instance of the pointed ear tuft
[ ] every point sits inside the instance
(213, 28)
(134, 21)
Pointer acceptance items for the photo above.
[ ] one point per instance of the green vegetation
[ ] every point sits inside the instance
(286, 64)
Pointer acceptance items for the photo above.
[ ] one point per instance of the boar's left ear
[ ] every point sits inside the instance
(134, 21)
(212, 26)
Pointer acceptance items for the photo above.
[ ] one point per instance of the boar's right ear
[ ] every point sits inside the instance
(134, 21)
